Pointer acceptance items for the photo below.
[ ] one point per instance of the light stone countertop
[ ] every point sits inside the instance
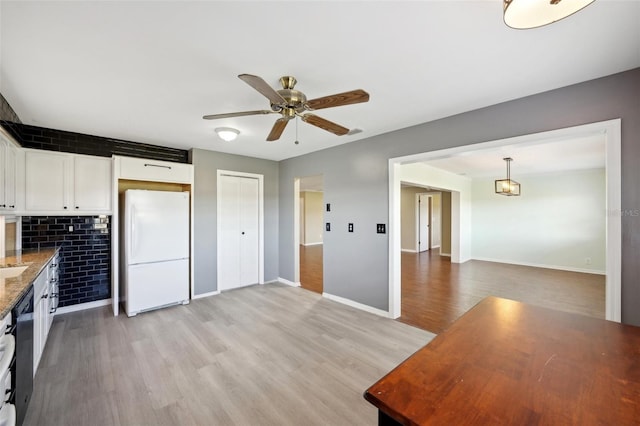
(12, 289)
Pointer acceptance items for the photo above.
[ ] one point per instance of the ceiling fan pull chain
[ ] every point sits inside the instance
(296, 141)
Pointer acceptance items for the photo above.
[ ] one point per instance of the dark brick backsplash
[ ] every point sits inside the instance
(6, 112)
(78, 143)
(85, 253)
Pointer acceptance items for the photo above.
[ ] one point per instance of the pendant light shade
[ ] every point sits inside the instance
(508, 186)
(523, 14)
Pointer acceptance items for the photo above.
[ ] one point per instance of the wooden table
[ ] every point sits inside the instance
(509, 363)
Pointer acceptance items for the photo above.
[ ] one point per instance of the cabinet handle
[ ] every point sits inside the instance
(45, 296)
(12, 207)
(157, 165)
(77, 207)
(3, 205)
(65, 207)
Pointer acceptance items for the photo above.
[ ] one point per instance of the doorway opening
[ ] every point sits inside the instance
(461, 211)
(310, 223)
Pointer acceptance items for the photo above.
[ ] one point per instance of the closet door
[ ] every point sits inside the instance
(238, 251)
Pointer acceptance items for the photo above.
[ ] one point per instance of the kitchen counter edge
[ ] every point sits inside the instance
(14, 288)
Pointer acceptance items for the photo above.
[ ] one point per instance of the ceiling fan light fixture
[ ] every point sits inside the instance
(227, 134)
(524, 14)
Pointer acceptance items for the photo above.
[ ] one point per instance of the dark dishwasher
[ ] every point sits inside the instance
(22, 376)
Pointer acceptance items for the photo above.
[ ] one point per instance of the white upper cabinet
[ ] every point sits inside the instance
(47, 179)
(8, 159)
(153, 170)
(66, 183)
(92, 183)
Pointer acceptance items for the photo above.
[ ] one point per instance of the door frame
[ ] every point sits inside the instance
(219, 248)
(611, 129)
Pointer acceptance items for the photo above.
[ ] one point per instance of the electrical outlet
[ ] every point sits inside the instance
(70, 228)
(351, 227)
(328, 226)
(381, 228)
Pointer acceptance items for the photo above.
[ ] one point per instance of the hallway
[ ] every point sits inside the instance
(311, 267)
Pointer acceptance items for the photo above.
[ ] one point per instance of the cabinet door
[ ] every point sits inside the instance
(92, 183)
(154, 171)
(3, 155)
(10, 177)
(47, 181)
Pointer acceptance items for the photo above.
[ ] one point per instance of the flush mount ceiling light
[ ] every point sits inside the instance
(507, 186)
(227, 134)
(523, 14)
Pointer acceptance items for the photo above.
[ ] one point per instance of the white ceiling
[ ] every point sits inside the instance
(147, 71)
(576, 153)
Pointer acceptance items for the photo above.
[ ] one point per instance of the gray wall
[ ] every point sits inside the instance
(206, 164)
(356, 180)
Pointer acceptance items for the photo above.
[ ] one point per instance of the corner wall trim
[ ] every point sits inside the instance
(83, 306)
(357, 305)
(203, 295)
(287, 282)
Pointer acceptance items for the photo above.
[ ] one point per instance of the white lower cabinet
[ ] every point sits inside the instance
(7, 358)
(41, 316)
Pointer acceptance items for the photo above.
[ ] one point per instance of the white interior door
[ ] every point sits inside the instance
(238, 251)
(423, 222)
(436, 220)
(249, 213)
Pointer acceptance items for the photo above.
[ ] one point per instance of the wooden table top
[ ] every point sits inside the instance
(506, 362)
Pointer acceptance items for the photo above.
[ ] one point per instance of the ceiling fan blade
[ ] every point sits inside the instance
(277, 129)
(261, 86)
(339, 99)
(324, 124)
(237, 114)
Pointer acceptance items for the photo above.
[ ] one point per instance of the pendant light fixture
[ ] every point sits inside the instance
(523, 14)
(507, 186)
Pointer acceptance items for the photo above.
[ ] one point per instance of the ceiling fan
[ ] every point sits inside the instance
(291, 103)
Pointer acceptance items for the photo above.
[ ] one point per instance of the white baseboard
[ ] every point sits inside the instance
(287, 282)
(357, 305)
(408, 250)
(445, 254)
(435, 247)
(538, 265)
(83, 306)
(211, 293)
(312, 244)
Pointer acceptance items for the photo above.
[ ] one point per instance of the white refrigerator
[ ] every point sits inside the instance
(156, 249)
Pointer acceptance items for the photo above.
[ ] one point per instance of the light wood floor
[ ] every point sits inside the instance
(311, 268)
(262, 355)
(436, 292)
